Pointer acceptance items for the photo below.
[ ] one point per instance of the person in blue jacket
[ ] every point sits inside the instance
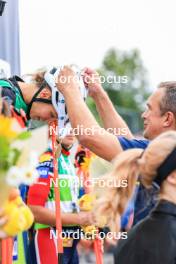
(159, 116)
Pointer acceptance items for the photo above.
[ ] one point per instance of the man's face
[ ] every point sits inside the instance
(153, 119)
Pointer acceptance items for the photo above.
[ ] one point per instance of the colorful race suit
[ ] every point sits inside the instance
(43, 246)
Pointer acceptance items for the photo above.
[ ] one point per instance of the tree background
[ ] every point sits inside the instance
(128, 98)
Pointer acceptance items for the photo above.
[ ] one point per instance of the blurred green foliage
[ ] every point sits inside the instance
(128, 96)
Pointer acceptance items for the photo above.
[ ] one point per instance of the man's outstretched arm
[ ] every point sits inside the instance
(91, 135)
(105, 108)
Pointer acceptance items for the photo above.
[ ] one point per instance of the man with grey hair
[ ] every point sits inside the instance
(159, 116)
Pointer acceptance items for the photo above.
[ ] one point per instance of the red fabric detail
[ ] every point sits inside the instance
(38, 193)
(46, 247)
(21, 119)
(65, 152)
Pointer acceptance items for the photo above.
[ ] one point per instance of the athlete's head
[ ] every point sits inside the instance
(38, 96)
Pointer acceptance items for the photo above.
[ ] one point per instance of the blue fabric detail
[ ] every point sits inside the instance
(132, 143)
(130, 210)
(145, 201)
(70, 255)
(43, 172)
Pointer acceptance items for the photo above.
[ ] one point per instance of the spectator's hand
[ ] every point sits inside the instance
(3, 218)
(67, 80)
(92, 81)
(86, 218)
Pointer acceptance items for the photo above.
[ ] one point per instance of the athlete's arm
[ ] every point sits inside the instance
(109, 116)
(45, 216)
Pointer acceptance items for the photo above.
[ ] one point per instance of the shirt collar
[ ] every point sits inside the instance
(65, 152)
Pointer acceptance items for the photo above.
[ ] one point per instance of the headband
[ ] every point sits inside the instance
(35, 99)
(168, 166)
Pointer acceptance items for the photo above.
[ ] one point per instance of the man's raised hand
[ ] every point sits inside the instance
(92, 82)
(67, 80)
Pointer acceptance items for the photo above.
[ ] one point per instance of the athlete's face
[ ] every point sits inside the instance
(43, 112)
(68, 140)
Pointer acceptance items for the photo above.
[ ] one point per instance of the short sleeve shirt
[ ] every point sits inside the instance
(142, 204)
(132, 143)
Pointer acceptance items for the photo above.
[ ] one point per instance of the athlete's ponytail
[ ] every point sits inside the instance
(113, 200)
(38, 77)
